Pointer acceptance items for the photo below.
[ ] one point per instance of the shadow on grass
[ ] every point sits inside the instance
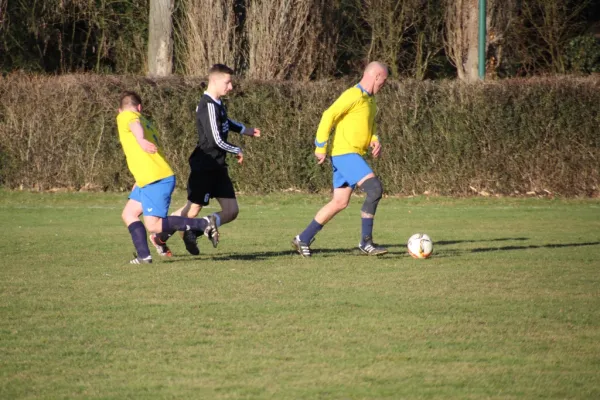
(534, 246)
(259, 255)
(396, 250)
(459, 252)
(448, 242)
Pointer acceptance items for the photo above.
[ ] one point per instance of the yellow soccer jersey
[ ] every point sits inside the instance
(353, 115)
(145, 167)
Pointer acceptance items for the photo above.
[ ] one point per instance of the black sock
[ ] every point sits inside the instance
(173, 223)
(138, 236)
(311, 231)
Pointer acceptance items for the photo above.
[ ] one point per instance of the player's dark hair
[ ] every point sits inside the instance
(130, 98)
(220, 69)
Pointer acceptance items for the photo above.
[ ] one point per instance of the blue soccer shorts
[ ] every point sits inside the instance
(155, 197)
(349, 169)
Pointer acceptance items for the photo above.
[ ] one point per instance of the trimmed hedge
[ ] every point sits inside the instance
(444, 137)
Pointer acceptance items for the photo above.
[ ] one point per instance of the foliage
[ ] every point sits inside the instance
(506, 137)
(548, 25)
(583, 54)
(60, 36)
(301, 39)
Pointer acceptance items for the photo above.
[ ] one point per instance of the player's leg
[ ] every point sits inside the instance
(229, 210)
(156, 199)
(130, 215)
(372, 186)
(196, 226)
(221, 188)
(223, 191)
(343, 185)
(344, 181)
(339, 201)
(198, 190)
(189, 210)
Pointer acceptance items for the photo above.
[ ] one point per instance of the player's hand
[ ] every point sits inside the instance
(376, 148)
(240, 157)
(253, 132)
(320, 158)
(148, 147)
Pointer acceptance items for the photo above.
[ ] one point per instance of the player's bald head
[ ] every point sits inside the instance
(375, 68)
(374, 77)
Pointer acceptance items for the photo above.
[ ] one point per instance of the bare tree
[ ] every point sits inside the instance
(208, 35)
(501, 17)
(288, 39)
(3, 4)
(160, 39)
(554, 22)
(389, 21)
(406, 35)
(427, 39)
(461, 37)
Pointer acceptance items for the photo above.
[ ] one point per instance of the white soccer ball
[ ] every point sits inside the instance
(420, 245)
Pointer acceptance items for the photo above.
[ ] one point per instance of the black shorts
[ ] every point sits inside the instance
(204, 185)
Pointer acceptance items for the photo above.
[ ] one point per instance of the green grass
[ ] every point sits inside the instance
(508, 306)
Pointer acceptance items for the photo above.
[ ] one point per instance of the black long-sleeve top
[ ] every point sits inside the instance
(213, 127)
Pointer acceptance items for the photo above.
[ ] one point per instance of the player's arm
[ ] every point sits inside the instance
(138, 132)
(329, 119)
(375, 143)
(242, 129)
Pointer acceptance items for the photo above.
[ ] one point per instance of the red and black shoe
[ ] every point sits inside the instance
(161, 247)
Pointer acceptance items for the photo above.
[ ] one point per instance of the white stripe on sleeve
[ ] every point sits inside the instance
(215, 131)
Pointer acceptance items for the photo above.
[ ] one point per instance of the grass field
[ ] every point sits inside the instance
(508, 307)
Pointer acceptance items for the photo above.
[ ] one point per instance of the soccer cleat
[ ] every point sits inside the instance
(369, 248)
(161, 248)
(191, 242)
(302, 248)
(139, 260)
(211, 231)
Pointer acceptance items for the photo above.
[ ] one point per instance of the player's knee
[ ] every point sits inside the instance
(374, 190)
(194, 210)
(128, 218)
(154, 226)
(191, 210)
(153, 223)
(340, 204)
(229, 214)
(234, 213)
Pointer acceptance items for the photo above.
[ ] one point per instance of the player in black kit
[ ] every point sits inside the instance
(209, 177)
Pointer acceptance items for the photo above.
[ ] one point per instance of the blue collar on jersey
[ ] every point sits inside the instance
(362, 89)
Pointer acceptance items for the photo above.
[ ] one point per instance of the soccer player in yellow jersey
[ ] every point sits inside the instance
(154, 182)
(353, 117)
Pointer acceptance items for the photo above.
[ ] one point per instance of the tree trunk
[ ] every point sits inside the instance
(462, 19)
(160, 39)
(471, 65)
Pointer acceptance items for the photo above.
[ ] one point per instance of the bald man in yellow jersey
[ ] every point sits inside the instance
(154, 182)
(353, 117)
